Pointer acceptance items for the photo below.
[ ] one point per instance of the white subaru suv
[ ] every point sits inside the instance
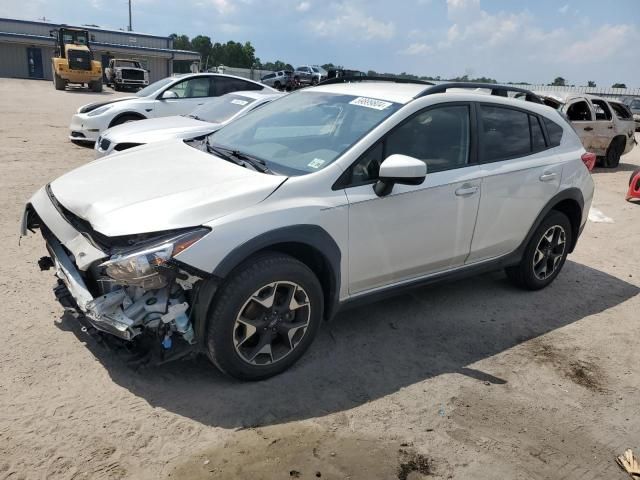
(239, 245)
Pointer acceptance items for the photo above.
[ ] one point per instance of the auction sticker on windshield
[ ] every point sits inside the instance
(316, 163)
(237, 101)
(370, 103)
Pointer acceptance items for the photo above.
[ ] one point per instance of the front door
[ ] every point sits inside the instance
(190, 94)
(415, 230)
(34, 62)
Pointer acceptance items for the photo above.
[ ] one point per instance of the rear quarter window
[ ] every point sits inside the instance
(554, 132)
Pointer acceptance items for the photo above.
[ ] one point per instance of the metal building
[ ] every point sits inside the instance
(26, 49)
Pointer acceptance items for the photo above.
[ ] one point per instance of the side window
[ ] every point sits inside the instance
(554, 131)
(226, 85)
(537, 137)
(621, 111)
(505, 133)
(579, 112)
(602, 110)
(366, 168)
(192, 88)
(439, 136)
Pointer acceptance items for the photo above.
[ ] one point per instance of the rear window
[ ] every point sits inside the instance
(554, 132)
(621, 111)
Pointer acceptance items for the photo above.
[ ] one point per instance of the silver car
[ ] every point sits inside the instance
(239, 245)
(279, 80)
(203, 120)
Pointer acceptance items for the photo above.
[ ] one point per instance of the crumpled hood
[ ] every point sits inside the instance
(156, 129)
(162, 186)
(92, 106)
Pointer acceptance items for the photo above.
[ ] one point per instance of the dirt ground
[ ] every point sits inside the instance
(473, 379)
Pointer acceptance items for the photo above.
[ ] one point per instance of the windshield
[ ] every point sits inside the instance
(148, 90)
(303, 132)
(635, 105)
(221, 109)
(127, 63)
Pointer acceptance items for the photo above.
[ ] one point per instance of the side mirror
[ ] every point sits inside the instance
(168, 94)
(400, 169)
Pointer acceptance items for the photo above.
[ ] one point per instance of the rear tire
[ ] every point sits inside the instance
(545, 254)
(58, 82)
(614, 152)
(96, 86)
(264, 317)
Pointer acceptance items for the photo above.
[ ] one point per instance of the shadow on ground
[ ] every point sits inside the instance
(622, 167)
(368, 352)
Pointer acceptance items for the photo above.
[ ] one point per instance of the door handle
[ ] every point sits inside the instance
(588, 129)
(610, 127)
(548, 176)
(466, 190)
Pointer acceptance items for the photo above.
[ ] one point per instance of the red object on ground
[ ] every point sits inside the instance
(634, 185)
(589, 160)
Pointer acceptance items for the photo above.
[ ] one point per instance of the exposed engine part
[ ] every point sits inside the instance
(177, 313)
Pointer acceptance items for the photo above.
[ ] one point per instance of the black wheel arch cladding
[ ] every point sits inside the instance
(310, 244)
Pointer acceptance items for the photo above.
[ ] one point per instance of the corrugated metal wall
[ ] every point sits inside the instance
(14, 60)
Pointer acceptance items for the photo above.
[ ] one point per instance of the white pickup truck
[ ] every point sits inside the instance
(123, 73)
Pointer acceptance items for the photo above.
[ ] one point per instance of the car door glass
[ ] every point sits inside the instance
(505, 133)
(621, 111)
(602, 111)
(537, 138)
(192, 88)
(554, 131)
(439, 136)
(579, 112)
(228, 85)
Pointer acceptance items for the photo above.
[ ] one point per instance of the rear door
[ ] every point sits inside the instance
(581, 115)
(520, 175)
(604, 130)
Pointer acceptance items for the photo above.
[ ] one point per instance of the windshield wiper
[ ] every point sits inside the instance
(244, 159)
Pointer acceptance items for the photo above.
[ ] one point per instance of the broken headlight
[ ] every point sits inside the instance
(140, 267)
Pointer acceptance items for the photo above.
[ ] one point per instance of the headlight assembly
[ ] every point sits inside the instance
(140, 267)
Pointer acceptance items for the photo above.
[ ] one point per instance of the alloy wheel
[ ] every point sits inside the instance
(271, 323)
(549, 252)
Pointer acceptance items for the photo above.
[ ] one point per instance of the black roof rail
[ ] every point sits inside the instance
(361, 78)
(498, 90)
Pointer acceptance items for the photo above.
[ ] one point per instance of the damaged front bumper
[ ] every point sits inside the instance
(124, 311)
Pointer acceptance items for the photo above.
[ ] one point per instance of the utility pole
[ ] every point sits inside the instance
(130, 28)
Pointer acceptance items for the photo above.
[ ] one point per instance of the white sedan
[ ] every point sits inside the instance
(204, 120)
(177, 95)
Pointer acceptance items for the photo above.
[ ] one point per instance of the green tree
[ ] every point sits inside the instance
(619, 85)
(181, 42)
(559, 82)
(591, 83)
(202, 45)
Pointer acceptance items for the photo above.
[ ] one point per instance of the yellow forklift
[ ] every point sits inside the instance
(73, 61)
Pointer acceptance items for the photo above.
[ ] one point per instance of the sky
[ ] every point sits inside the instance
(510, 40)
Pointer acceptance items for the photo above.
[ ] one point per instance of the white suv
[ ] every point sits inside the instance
(239, 245)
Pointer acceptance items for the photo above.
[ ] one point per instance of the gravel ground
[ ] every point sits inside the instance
(473, 379)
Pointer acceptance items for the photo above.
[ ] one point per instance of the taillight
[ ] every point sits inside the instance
(589, 160)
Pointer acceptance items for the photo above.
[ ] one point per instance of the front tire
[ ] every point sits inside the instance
(545, 254)
(58, 82)
(125, 119)
(264, 317)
